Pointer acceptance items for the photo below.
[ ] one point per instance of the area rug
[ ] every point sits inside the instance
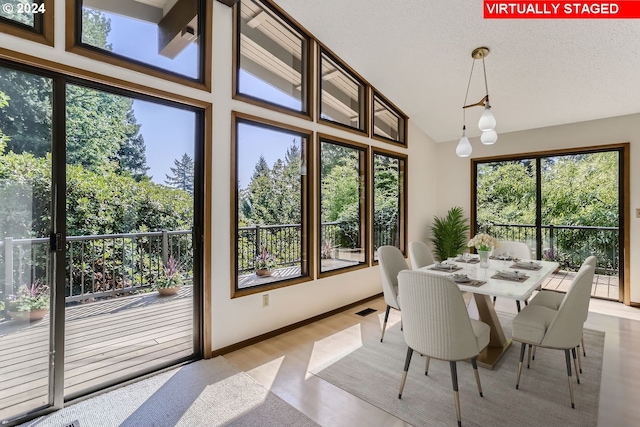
(205, 393)
(373, 373)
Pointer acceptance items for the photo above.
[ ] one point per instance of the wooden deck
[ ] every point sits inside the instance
(606, 287)
(105, 341)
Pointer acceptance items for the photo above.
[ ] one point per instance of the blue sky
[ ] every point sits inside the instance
(166, 143)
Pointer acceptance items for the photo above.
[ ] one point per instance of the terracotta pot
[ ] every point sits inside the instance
(263, 273)
(168, 291)
(28, 316)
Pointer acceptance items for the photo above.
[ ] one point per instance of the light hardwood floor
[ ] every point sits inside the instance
(282, 364)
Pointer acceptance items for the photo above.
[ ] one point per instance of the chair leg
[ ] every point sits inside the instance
(406, 370)
(518, 305)
(456, 396)
(584, 353)
(526, 302)
(529, 356)
(384, 325)
(520, 364)
(533, 355)
(494, 300)
(475, 372)
(575, 364)
(426, 365)
(568, 359)
(579, 359)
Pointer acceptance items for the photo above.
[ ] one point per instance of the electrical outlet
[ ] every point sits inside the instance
(265, 300)
(637, 213)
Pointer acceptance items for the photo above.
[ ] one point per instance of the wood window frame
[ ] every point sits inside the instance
(308, 196)
(307, 64)
(404, 141)
(364, 107)
(365, 161)
(73, 37)
(623, 192)
(43, 32)
(404, 181)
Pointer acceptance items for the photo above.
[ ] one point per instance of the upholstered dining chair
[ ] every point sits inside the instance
(516, 250)
(391, 263)
(553, 300)
(437, 325)
(559, 329)
(420, 255)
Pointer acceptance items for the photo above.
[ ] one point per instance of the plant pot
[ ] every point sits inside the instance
(28, 316)
(168, 291)
(263, 273)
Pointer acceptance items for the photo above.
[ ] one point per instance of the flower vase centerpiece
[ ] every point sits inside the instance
(170, 280)
(31, 302)
(484, 244)
(265, 263)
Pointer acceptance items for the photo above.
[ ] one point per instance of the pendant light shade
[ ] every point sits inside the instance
(489, 137)
(464, 148)
(487, 121)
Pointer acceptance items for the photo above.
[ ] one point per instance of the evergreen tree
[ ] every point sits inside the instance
(132, 157)
(182, 174)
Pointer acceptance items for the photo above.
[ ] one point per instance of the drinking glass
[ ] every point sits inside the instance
(466, 257)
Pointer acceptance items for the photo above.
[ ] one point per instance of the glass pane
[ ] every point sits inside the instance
(22, 11)
(387, 122)
(272, 58)
(146, 32)
(341, 96)
(387, 201)
(130, 177)
(270, 195)
(580, 207)
(26, 273)
(342, 206)
(506, 200)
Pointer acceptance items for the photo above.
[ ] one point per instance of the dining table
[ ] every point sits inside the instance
(503, 278)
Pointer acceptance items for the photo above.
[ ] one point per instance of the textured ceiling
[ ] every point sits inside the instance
(540, 72)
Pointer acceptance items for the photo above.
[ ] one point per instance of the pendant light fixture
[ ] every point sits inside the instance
(487, 122)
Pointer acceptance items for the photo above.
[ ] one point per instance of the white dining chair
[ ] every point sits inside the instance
(437, 325)
(560, 329)
(514, 249)
(391, 263)
(420, 255)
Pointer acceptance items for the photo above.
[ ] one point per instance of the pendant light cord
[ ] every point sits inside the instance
(486, 87)
(467, 94)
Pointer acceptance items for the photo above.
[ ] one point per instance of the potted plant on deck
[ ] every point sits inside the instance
(30, 303)
(170, 281)
(265, 263)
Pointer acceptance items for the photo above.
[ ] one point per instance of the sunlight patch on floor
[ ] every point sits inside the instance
(334, 347)
(266, 373)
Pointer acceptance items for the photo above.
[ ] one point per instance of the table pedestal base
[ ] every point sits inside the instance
(498, 343)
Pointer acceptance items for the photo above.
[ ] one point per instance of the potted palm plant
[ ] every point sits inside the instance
(450, 234)
(170, 280)
(31, 303)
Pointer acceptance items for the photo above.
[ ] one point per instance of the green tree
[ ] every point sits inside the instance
(95, 29)
(182, 174)
(4, 101)
(132, 157)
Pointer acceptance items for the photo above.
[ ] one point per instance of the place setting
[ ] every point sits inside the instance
(445, 266)
(514, 276)
(527, 265)
(463, 279)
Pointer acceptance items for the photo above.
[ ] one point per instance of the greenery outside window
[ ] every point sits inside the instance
(343, 196)
(270, 207)
(271, 58)
(389, 123)
(389, 200)
(342, 94)
(167, 42)
(32, 20)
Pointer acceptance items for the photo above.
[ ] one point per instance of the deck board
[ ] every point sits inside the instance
(105, 341)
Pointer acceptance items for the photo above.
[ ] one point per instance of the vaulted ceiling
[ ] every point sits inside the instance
(540, 72)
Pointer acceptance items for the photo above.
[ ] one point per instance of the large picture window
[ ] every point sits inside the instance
(270, 209)
(342, 188)
(272, 58)
(32, 20)
(343, 95)
(389, 200)
(168, 42)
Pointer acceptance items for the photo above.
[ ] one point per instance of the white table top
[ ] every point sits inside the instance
(498, 287)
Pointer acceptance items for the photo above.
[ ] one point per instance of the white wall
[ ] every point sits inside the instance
(238, 319)
(454, 172)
